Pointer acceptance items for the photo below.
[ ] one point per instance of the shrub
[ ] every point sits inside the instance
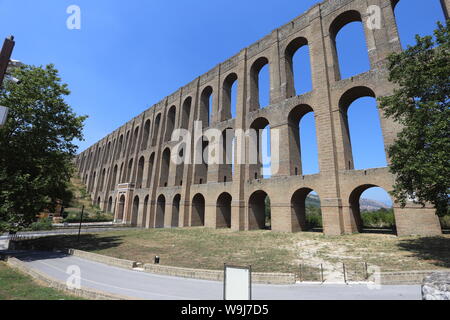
(98, 216)
(379, 219)
(42, 225)
(445, 222)
(313, 217)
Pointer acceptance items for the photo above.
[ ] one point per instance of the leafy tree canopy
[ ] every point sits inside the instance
(420, 156)
(36, 144)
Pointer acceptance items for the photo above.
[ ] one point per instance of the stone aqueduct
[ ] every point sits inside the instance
(128, 172)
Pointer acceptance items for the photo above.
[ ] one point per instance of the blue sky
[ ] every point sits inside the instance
(129, 55)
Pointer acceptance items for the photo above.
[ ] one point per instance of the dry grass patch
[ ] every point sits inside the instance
(266, 251)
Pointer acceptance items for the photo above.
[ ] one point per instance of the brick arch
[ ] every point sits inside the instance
(170, 123)
(176, 202)
(223, 210)
(160, 211)
(257, 210)
(255, 70)
(226, 111)
(294, 118)
(298, 209)
(289, 53)
(336, 26)
(140, 172)
(206, 107)
(255, 150)
(135, 211)
(198, 210)
(345, 101)
(186, 110)
(353, 94)
(156, 129)
(354, 205)
(146, 134)
(165, 167)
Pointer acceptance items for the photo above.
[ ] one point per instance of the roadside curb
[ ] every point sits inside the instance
(407, 277)
(48, 281)
(199, 274)
(114, 262)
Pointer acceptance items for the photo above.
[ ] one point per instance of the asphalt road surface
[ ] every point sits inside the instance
(139, 285)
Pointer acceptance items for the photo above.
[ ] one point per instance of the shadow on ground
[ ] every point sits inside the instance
(435, 250)
(86, 242)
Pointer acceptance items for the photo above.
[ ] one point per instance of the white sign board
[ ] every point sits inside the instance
(3, 115)
(237, 283)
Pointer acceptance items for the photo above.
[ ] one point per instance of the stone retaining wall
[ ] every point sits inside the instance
(115, 262)
(217, 275)
(404, 277)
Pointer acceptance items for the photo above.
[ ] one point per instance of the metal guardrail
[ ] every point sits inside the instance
(22, 237)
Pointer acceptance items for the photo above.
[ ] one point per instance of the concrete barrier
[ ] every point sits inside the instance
(115, 262)
(217, 275)
(48, 281)
(404, 277)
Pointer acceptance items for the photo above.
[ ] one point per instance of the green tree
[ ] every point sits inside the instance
(36, 144)
(420, 156)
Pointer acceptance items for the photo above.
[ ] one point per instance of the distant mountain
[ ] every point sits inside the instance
(366, 204)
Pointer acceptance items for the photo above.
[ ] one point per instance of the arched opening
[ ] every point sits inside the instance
(176, 211)
(408, 13)
(102, 180)
(198, 211)
(180, 166)
(349, 46)
(108, 150)
(119, 147)
(160, 212)
(150, 170)
(226, 159)
(201, 166)
(306, 211)
(146, 136)
(144, 212)
(121, 208)
(110, 203)
(170, 123)
(206, 107)
(135, 212)
(98, 202)
(361, 127)
(303, 149)
(223, 211)
(140, 173)
(135, 140)
(127, 145)
(260, 149)
(92, 182)
(165, 166)
(121, 174)
(229, 97)
(156, 130)
(259, 84)
(186, 113)
(371, 210)
(259, 216)
(298, 68)
(129, 176)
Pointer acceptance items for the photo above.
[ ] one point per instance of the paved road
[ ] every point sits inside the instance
(141, 285)
(60, 232)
